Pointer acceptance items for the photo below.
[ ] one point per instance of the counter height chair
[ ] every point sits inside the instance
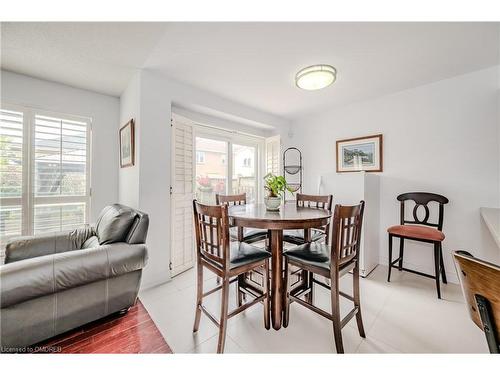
(480, 282)
(227, 259)
(298, 236)
(331, 262)
(248, 235)
(420, 230)
(302, 278)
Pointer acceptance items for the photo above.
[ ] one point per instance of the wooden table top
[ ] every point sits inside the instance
(288, 217)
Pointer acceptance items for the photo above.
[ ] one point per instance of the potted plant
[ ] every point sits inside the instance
(276, 186)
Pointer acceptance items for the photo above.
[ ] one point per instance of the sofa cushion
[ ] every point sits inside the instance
(114, 223)
(90, 243)
(48, 243)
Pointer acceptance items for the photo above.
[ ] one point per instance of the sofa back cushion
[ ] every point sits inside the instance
(91, 242)
(114, 223)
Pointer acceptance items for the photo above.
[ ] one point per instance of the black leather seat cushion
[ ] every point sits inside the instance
(315, 254)
(296, 236)
(249, 234)
(243, 254)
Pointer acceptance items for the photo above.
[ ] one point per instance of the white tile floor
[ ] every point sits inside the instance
(402, 316)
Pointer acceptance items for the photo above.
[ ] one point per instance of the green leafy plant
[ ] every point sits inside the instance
(276, 185)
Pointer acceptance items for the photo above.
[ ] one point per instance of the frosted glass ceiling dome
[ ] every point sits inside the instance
(316, 77)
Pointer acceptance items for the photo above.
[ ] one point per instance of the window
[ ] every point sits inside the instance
(229, 166)
(211, 177)
(44, 165)
(200, 157)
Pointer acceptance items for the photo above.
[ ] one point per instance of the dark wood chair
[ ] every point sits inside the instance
(331, 262)
(298, 236)
(227, 259)
(248, 235)
(480, 282)
(420, 230)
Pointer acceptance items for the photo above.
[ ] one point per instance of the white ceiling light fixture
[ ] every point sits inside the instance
(315, 77)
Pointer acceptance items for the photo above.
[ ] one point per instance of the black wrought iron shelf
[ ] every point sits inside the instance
(293, 169)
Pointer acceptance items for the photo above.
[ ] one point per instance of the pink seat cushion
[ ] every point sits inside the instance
(416, 231)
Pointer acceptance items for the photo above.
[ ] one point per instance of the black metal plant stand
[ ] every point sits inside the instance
(293, 169)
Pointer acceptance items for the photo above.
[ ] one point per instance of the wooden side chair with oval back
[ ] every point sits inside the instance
(422, 230)
(227, 259)
(248, 235)
(480, 282)
(332, 262)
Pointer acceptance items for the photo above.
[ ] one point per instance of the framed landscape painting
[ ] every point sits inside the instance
(127, 146)
(360, 154)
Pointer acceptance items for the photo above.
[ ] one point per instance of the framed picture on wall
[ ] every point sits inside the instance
(360, 154)
(127, 146)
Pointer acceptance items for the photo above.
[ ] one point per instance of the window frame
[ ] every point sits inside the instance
(27, 201)
(200, 157)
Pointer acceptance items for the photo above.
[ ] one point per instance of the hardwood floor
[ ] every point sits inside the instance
(133, 332)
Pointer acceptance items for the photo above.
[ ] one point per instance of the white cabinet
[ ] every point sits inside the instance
(349, 189)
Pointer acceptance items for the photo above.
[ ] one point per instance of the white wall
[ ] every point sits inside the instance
(102, 109)
(128, 177)
(151, 106)
(441, 137)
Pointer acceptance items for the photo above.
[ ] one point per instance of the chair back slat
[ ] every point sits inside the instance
(231, 200)
(212, 233)
(347, 222)
(479, 278)
(314, 201)
(422, 199)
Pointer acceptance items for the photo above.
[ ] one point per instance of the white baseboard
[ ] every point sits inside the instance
(155, 280)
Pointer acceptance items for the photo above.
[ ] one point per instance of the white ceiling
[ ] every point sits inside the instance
(253, 63)
(96, 56)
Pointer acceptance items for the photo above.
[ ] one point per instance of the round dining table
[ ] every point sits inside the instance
(289, 216)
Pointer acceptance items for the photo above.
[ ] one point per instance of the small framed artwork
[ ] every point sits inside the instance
(127, 146)
(360, 154)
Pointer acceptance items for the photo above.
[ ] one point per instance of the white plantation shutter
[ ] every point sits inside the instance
(12, 150)
(273, 155)
(182, 194)
(44, 172)
(60, 170)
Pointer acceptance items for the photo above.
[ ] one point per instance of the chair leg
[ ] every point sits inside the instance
(288, 276)
(437, 268)
(267, 300)
(357, 302)
(390, 259)
(223, 315)
(337, 333)
(309, 284)
(401, 252)
(443, 272)
(239, 294)
(199, 296)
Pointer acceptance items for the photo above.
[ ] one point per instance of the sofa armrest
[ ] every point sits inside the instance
(51, 243)
(39, 276)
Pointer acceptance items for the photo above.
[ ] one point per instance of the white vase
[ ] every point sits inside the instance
(272, 203)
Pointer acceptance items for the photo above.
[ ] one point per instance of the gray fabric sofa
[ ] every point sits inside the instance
(53, 283)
